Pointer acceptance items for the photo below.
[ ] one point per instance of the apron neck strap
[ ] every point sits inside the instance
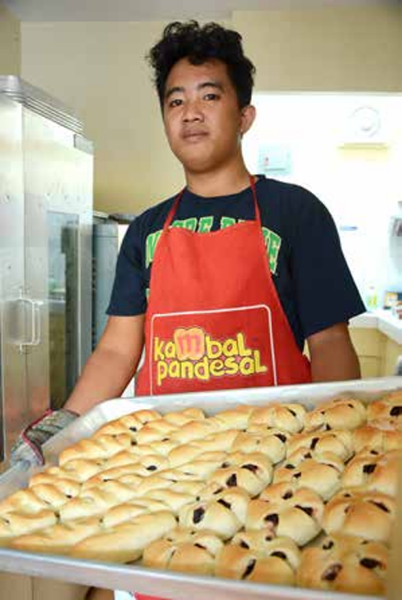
(179, 196)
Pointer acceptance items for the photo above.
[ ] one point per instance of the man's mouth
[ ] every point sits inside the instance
(194, 135)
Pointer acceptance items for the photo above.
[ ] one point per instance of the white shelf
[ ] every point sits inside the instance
(382, 320)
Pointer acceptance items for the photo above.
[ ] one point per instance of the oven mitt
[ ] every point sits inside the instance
(28, 445)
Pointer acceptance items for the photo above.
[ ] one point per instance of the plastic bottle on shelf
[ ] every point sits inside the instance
(372, 298)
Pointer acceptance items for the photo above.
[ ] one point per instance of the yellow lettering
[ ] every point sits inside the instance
(174, 369)
(158, 349)
(187, 369)
(216, 368)
(162, 371)
(259, 368)
(232, 367)
(230, 348)
(243, 351)
(170, 350)
(213, 347)
(247, 366)
(201, 369)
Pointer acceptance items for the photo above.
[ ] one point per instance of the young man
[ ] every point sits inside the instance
(227, 279)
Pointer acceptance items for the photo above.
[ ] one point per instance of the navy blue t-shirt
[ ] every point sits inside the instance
(308, 268)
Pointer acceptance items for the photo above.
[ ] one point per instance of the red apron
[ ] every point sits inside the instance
(214, 319)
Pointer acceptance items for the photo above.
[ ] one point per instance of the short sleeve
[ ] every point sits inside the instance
(325, 291)
(128, 296)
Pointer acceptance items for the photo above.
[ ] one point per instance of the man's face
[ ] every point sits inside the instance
(202, 118)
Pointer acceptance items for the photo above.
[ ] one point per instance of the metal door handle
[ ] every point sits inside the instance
(36, 333)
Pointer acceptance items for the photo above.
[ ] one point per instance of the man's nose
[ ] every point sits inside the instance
(192, 112)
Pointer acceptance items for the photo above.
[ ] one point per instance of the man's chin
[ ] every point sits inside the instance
(197, 164)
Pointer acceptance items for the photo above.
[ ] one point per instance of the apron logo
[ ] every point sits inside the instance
(193, 354)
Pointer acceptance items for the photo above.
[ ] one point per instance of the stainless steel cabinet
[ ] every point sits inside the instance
(46, 174)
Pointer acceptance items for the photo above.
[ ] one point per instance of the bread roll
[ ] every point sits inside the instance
(345, 564)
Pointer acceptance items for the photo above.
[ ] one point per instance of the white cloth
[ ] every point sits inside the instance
(123, 595)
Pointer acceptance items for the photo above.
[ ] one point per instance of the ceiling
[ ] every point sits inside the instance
(155, 10)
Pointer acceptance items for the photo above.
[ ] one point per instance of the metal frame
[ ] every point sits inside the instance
(44, 167)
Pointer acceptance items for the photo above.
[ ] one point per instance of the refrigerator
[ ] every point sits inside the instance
(46, 207)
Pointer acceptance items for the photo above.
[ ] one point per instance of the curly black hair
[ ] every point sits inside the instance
(200, 44)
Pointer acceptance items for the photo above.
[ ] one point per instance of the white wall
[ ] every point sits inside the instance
(360, 185)
(99, 69)
(10, 43)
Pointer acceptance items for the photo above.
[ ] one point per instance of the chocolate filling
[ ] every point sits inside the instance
(369, 468)
(287, 495)
(308, 455)
(314, 442)
(374, 452)
(292, 412)
(224, 503)
(274, 519)
(279, 555)
(133, 428)
(307, 509)
(281, 437)
(332, 466)
(219, 490)
(252, 468)
(289, 466)
(396, 411)
(244, 545)
(370, 563)
(297, 475)
(200, 546)
(198, 515)
(232, 481)
(328, 427)
(328, 545)
(332, 572)
(225, 465)
(249, 569)
(152, 468)
(380, 505)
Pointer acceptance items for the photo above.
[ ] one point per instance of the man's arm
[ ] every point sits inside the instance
(332, 355)
(112, 364)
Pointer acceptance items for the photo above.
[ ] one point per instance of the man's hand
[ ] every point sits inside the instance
(28, 447)
(333, 357)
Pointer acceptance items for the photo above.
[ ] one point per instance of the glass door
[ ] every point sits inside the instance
(58, 213)
(63, 294)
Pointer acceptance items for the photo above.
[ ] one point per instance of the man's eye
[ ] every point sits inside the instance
(176, 102)
(211, 96)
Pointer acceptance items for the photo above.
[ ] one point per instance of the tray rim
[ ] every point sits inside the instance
(82, 571)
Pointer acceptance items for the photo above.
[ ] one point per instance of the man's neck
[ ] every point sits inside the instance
(222, 182)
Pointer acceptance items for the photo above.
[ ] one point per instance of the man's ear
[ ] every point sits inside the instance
(248, 114)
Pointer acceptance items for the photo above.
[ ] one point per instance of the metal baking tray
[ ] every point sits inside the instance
(167, 584)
